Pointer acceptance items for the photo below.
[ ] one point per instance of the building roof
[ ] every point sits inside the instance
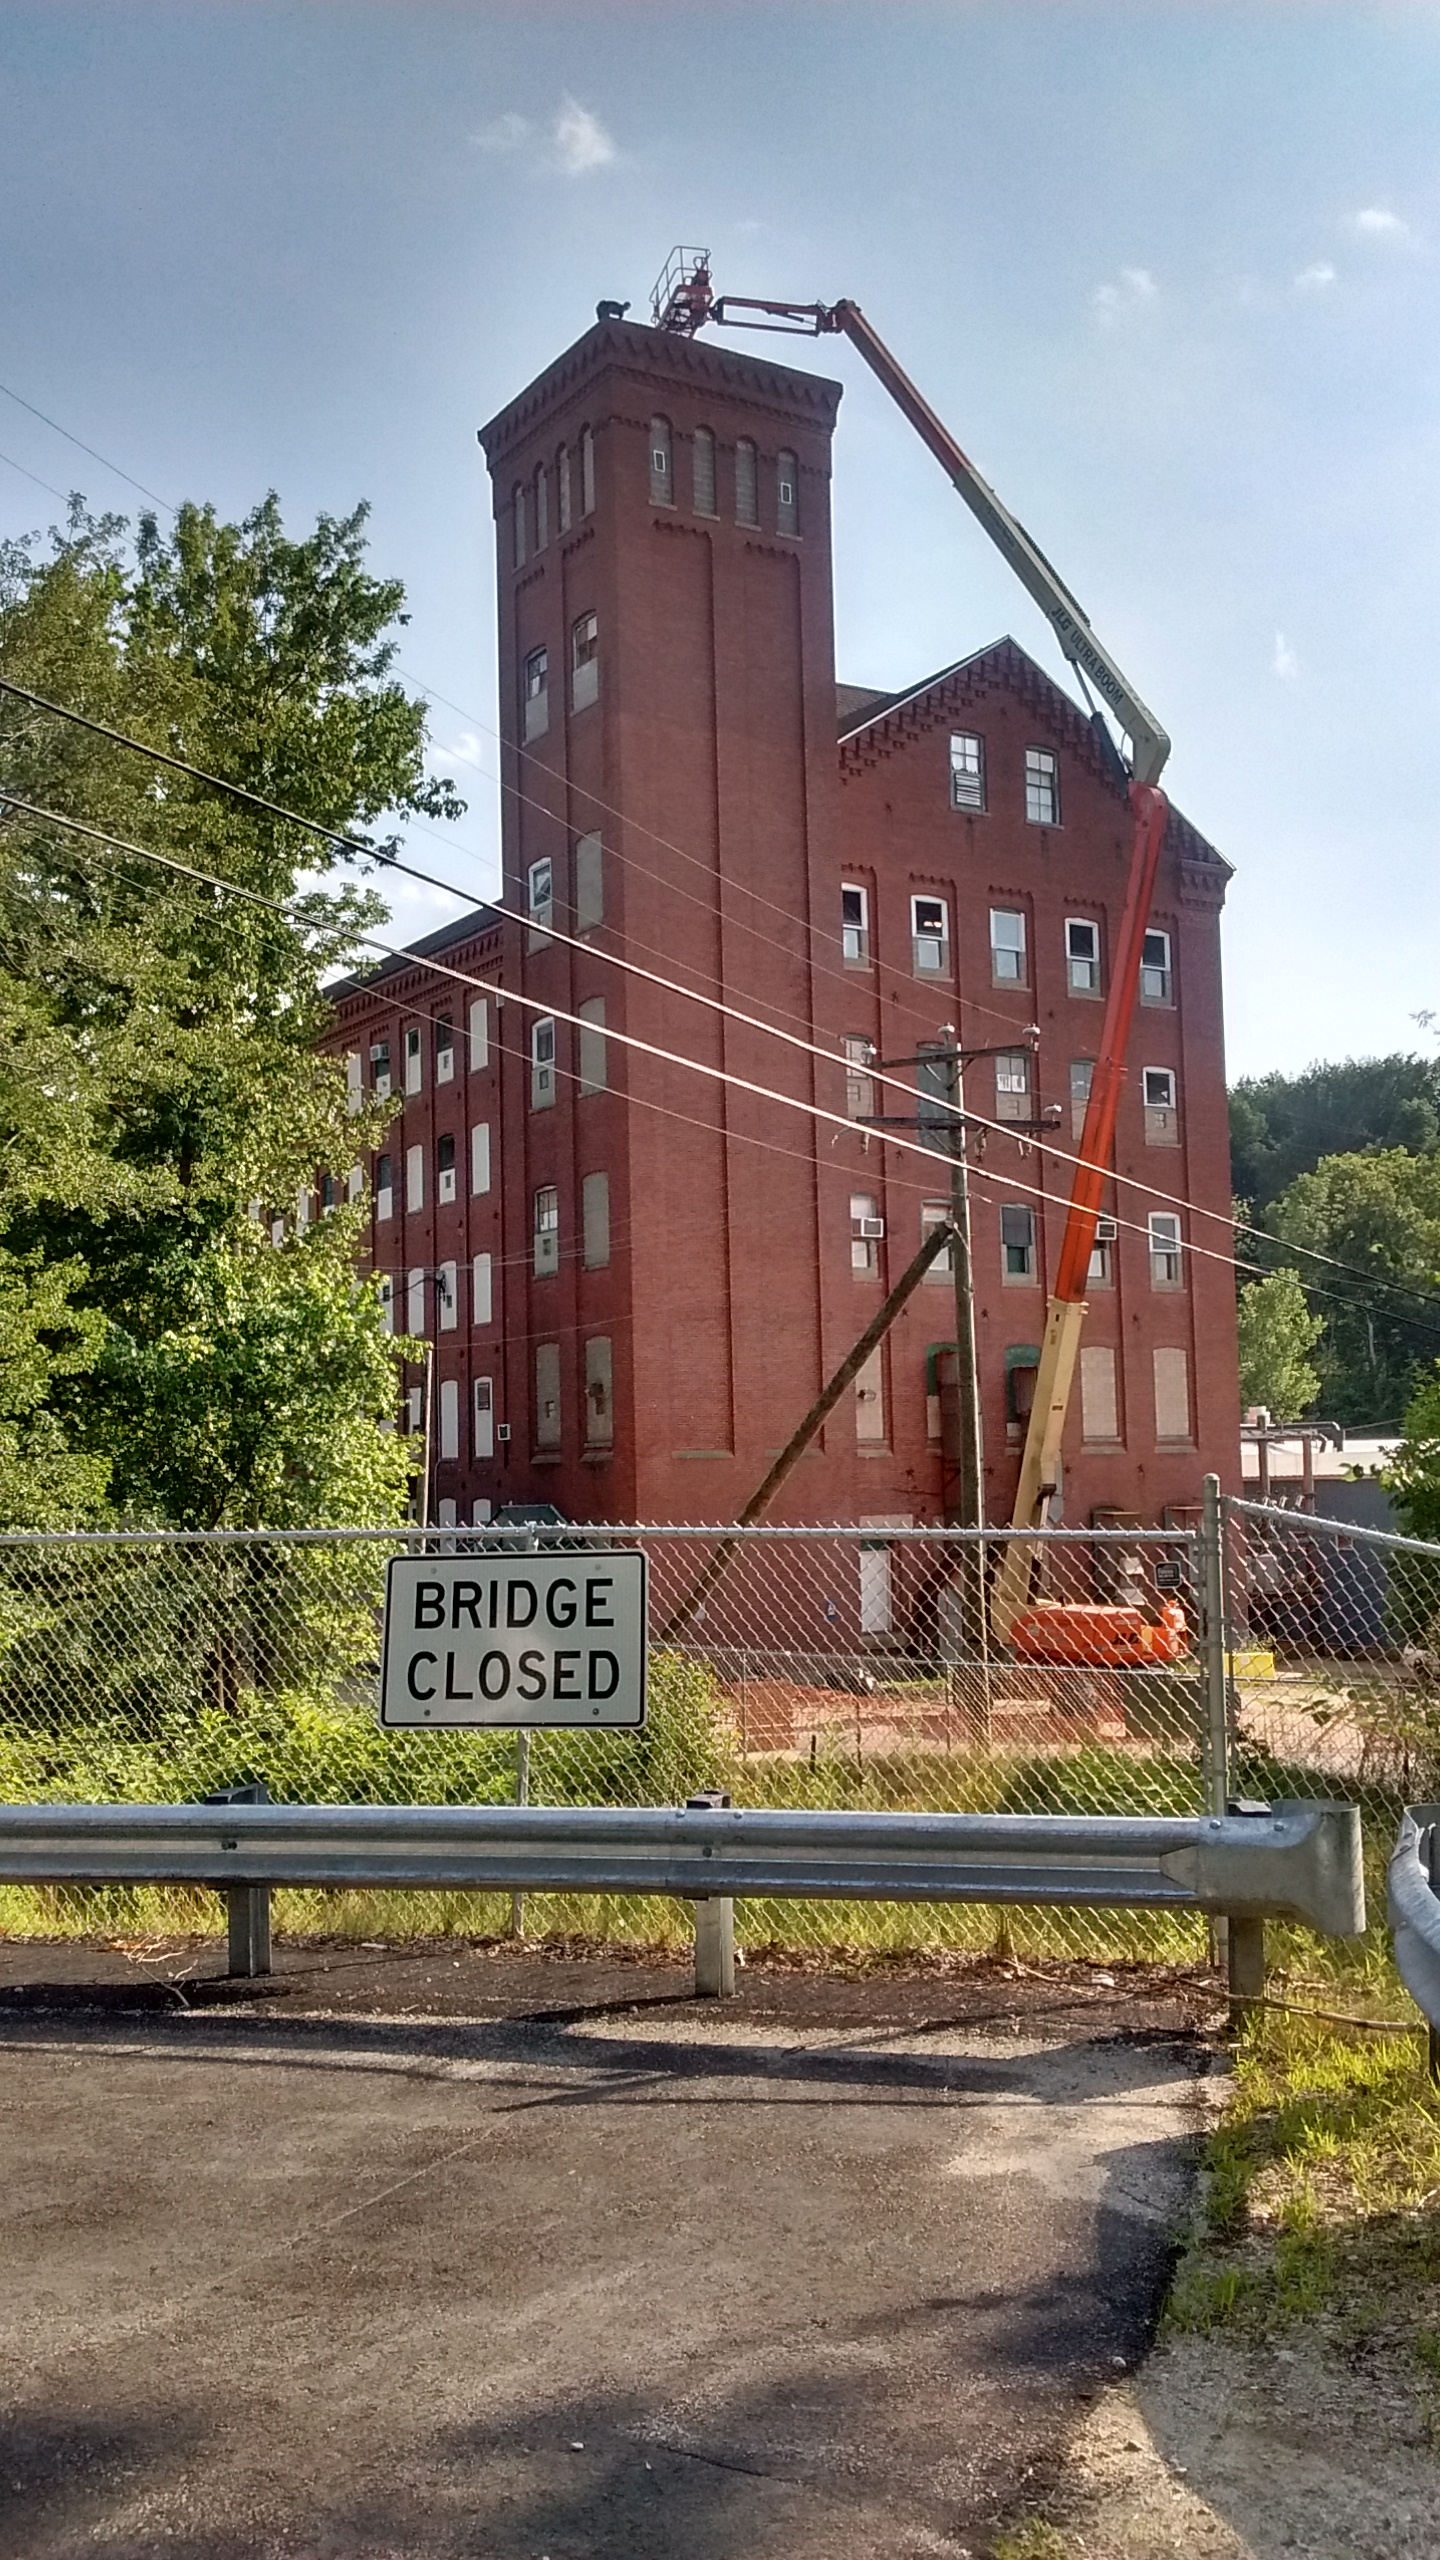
(628, 346)
(447, 937)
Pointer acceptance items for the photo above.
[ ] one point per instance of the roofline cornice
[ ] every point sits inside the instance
(655, 356)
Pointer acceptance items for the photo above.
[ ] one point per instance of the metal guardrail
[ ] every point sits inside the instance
(1413, 1895)
(1286, 1861)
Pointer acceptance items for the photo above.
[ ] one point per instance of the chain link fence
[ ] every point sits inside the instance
(813, 1667)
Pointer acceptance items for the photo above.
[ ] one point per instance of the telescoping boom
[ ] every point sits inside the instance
(685, 301)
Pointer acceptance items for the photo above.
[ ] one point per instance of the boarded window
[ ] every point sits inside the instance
(1099, 1401)
(449, 1418)
(354, 1090)
(484, 1394)
(599, 1393)
(703, 472)
(480, 1156)
(547, 1395)
(662, 475)
(414, 1177)
(587, 472)
(1172, 1395)
(444, 1049)
(1082, 1075)
(482, 1291)
(447, 1297)
(595, 1215)
(562, 486)
(479, 1033)
(967, 771)
(542, 506)
(590, 1045)
(870, 1399)
(518, 514)
(787, 494)
(415, 1301)
(387, 1302)
(747, 483)
(589, 884)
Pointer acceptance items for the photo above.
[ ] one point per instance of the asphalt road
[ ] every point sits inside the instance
(641, 2278)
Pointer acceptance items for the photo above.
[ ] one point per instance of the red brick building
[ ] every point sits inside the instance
(636, 1276)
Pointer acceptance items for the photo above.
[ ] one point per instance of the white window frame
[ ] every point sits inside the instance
(444, 1050)
(1160, 1088)
(933, 1214)
(584, 660)
(1029, 1244)
(483, 1411)
(1004, 952)
(447, 1297)
(1082, 968)
(930, 938)
(967, 770)
(545, 1230)
(542, 1064)
(540, 902)
(1042, 787)
(414, 1059)
(1014, 1072)
(1157, 973)
(855, 928)
(446, 1178)
(535, 693)
(1167, 1249)
(384, 1191)
(867, 1233)
(859, 1082)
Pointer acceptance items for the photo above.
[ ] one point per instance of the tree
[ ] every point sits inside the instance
(1379, 1214)
(1277, 1335)
(1282, 1126)
(159, 1076)
(1414, 1477)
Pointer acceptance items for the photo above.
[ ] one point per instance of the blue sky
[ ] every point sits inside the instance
(1172, 273)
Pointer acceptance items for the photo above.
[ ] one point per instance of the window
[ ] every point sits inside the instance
(599, 1393)
(1042, 788)
(1007, 947)
(386, 1294)
(542, 1065)
(933, 1214)
(1100, 1270)
(867, 1229)
(1162, 1117)
(480, 1157)
(449, 1421)
(277, 1230)
(595, 1220)
(354, 1089)
(415, 1302)
(537, 693)
(662, 477)
(1082, 955)
(590, 1045)
(484, 1398)
(747, 483)
(380, 1068)
(1082, 1071)
(540, 903)
(702, 472)
(384, 1188)
(787, 494)
(1165, 1249)
(587, 472)
(1172, 1395)
(518, 513)
(414, 1060)
(1022, 1363)
(444, 1049)
(445, 1168)
(447, 1297)
(547, 1395)
(482, 1291)
(854, 927)
(1017, 1243)
(328, 1194)
(542, 506)
(414, 1178)
(547, 1231)
(1099, 1402)
(967, 772)
(935, 1078)
(1012, 1085)
(584, 661)
(479, 1032)
(930, 937)
(589, 884)
(859, 1083)
(1155, 974)
(870, 1399)
(562, 487)
(413, 1408)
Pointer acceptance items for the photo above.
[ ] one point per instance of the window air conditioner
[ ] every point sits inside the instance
(870, 1230)
(1106, 1230)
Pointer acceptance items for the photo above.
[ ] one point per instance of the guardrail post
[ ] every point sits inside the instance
(714, 1921)
(1432, 1869)
(1215, 1735)
(247, 1909)
(1246, 1965)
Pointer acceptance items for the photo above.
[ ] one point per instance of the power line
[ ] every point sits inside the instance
(64, 495)
(103, 459)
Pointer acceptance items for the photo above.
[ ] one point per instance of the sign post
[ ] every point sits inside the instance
(515, 1640)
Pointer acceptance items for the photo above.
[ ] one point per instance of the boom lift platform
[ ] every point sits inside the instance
(684, 301)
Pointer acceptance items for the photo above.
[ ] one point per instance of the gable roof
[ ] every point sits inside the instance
(873, 729)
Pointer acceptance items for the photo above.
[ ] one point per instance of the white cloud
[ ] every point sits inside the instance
(1284, 662)
(462, 750)
(581, 141)
(1376, 222)
(1135, 286)
(1315, 279)
(507, 133)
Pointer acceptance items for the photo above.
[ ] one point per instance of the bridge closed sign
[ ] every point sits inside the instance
(515, 1640)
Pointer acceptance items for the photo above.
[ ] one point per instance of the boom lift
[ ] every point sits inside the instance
(684, 301)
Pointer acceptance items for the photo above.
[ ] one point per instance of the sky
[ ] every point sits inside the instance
(1170, 272)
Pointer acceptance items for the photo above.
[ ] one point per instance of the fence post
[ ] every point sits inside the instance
(1215, 1685)
(522, 1796)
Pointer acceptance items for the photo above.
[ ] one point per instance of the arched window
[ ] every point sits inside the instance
(562, 486)
(747, 486)
(587, 472)
(702, 465)
(787, 494)
(519, 513)
(542, 506)
(662, 478)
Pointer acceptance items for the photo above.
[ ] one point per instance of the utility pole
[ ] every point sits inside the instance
(966, 1509)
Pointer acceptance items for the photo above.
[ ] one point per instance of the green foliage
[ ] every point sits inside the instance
(159, 1078)
(1414, 1477)
(1277, 1335)
(1281, 1126)
(1380, 1214)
